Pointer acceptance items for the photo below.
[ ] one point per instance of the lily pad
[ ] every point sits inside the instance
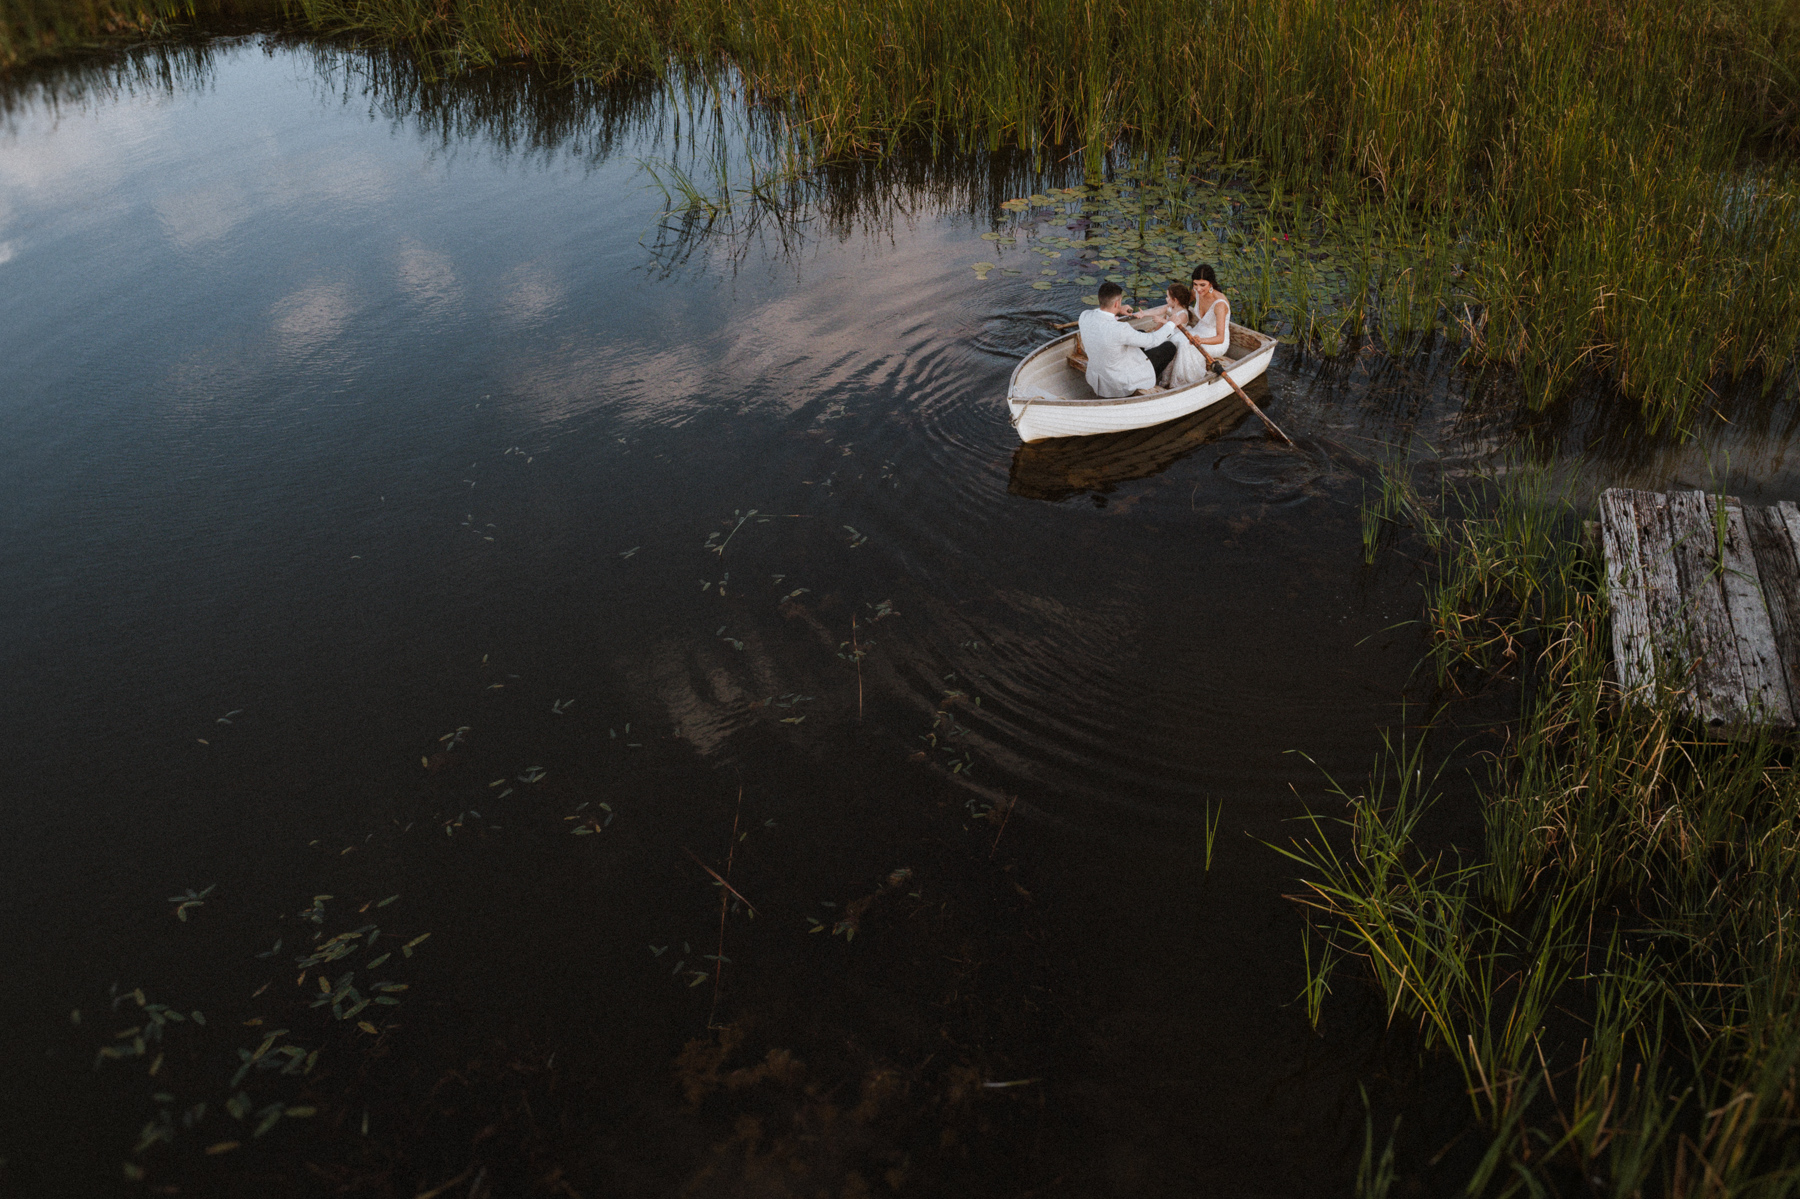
(1041, 285)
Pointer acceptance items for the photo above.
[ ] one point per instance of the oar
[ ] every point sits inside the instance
(1213, 365)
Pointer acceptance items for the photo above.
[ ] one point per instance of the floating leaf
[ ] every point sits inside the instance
(214, 1150)
(367, 1027)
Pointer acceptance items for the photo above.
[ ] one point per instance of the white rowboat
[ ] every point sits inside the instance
(1047, 398)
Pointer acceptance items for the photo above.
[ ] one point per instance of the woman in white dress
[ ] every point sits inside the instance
(1212, 312)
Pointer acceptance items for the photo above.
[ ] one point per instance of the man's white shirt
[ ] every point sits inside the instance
(1116, 368)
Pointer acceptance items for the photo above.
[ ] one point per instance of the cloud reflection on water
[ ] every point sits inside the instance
(310, 319)
(428, 276)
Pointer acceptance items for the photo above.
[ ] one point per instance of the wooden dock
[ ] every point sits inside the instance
(1706, 598)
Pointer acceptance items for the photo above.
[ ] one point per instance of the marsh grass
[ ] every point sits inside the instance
(1614, 182)
(1614, 977)
(1575, 188)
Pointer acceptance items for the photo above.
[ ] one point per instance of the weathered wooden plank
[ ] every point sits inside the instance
(1778, 567)
(1766, 695)
(1662, 593)
(1717, 677)
(1789, 516)
(1633, 653)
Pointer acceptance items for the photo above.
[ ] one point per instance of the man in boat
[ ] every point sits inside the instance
(1121, 360)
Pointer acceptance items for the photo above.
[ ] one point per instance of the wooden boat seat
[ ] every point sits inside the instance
(1078, 359)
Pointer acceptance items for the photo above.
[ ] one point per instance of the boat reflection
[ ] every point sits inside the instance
(1068, 466)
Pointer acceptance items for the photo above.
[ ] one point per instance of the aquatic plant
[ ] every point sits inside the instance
(1613, 978)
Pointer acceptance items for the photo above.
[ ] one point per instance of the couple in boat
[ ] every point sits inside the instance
(1125, 362)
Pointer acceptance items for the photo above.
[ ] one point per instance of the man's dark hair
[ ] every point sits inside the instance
(1108, 290)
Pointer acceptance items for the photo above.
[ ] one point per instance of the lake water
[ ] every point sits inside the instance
(394, 504)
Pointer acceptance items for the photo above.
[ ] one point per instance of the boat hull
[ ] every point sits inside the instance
(1046, 399)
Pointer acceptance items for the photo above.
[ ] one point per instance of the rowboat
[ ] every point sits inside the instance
(1048, 397)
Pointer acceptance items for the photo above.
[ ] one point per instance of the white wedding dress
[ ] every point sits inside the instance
(1189, 365)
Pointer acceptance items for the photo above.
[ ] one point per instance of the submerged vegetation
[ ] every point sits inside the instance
(1614, 978)
(1614, 183)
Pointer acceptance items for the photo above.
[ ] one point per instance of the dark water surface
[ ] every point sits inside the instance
(342, 414)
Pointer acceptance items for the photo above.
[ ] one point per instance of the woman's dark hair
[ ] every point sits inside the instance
(1184, 295)
(1205, 271)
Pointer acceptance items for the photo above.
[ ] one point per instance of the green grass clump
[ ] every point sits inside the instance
(1616, 978)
